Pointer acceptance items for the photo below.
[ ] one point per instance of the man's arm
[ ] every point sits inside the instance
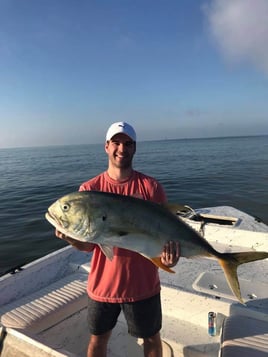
(83, 246)
(171, 250)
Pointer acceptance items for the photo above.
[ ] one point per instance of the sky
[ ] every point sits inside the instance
(171, 68)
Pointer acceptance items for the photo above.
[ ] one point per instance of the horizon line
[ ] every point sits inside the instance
(141, 141)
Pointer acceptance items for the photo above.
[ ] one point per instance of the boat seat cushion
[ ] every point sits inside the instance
(44, 308)
(244, 336)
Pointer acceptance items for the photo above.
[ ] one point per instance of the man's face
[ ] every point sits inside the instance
(120, 150)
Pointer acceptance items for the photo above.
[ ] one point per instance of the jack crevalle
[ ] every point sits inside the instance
(142, 226)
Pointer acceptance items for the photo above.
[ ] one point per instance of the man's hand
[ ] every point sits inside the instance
(84, 246)
(171, 254)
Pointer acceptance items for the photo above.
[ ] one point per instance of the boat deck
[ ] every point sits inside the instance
(185, 313)
(197, 287)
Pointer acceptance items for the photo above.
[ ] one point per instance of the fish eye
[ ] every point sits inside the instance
(65, 207)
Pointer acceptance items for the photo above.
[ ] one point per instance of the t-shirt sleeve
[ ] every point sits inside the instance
(92, 184)
(84, 187)
(159, 193)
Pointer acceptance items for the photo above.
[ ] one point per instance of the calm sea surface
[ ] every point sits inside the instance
(197, 172)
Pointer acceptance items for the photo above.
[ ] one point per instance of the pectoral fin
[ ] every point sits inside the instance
(107, 250)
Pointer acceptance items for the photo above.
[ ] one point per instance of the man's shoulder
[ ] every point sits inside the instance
(93, 183)
(152, 189)
(145, 177)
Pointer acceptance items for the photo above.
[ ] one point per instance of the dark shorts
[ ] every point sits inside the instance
(144, 317)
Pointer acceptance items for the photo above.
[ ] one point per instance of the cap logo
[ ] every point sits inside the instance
(121, 127)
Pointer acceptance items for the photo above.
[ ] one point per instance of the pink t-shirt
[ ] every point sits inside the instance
(128, 276)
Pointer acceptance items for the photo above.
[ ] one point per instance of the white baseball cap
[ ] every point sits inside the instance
(121, 127)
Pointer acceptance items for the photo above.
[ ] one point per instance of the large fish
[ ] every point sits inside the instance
(142, 226)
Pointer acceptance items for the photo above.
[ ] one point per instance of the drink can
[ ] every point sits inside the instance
(212, 323)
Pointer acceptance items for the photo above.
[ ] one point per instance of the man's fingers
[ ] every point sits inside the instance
(171, 253)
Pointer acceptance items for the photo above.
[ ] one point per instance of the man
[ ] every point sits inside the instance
(129, 282)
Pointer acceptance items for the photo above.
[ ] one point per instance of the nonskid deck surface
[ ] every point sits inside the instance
(185, 310)
(184, 324)
(184, 330)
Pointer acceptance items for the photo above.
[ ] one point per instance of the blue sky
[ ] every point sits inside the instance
(171, 68)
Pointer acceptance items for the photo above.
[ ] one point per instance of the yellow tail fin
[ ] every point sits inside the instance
(230, 262)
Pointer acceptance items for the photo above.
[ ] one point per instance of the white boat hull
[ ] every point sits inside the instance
(187, 297)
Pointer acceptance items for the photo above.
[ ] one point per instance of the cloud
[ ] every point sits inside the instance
(240, 30)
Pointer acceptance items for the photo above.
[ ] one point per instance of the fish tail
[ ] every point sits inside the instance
(231, 261)
(157, 261)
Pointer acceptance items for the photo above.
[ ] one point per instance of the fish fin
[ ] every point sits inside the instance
(107, 250)
(177, 209)
(157, 261)
(230, 262)
(137, 242)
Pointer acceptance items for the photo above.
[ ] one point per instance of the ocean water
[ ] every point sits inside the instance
(197, 172)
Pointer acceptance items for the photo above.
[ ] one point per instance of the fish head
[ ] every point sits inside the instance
(74, 216)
